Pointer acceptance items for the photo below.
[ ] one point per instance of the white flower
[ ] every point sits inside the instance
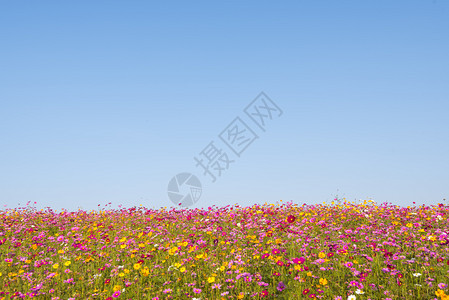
(172, 267)
(418, 284)
(352, 297)
(417, 274)
(359, 291)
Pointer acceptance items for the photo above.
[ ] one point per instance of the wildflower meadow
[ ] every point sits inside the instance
(343, 250)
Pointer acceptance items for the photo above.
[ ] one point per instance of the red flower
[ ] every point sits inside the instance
(400, 275)
(275, 251)
(264, 293)
(280, 263)
(107, 281)
(330, 254)
(305, 291)
(291, 219)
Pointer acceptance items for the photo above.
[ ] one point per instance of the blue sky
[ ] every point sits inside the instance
(107, 101)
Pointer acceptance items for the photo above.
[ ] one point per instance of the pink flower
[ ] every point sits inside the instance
(299, 261)
(116, 294)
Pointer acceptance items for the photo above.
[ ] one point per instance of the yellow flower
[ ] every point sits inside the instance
(322, 255)
(116, 288)
(222, 268)
(67, 263)
(173, 250)
(123, 246)
(439, 293)
(126, 271)
(136, 266)
(121, 274)
(323, 281)
(182, 270)
(211, 279)
(309, 274)
(55, 266)
(1, 274)
(240, 296)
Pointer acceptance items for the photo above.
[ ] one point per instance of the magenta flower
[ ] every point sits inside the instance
(116, 294)
(299, 261)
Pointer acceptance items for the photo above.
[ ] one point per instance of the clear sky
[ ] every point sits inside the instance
(106, 101)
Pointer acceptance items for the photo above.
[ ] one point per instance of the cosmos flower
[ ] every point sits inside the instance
(116, 294)
(291, 219)
(281, 286)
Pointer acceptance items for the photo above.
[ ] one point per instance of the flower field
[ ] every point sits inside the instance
(283, 251)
